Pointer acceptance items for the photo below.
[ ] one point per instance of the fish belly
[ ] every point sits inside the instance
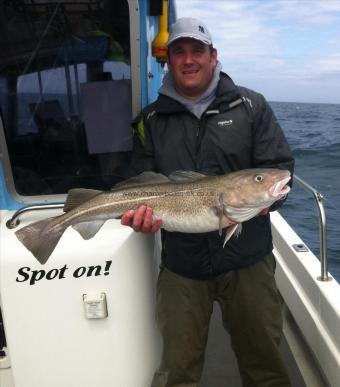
(203, 221)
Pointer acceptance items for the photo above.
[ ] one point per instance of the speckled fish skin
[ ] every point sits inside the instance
(190, 206)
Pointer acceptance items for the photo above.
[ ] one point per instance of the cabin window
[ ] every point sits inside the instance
(65, 93)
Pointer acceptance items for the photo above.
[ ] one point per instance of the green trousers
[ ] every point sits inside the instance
(251, 313)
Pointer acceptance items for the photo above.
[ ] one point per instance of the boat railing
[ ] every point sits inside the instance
(319, 200)
(15, 219)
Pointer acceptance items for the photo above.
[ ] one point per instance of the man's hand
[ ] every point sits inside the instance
(265, 211)
(141, 220)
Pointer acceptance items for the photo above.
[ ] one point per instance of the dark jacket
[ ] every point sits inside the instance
(237, 131)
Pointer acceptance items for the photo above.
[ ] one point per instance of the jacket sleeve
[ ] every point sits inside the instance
(270, 147)
(142, 158)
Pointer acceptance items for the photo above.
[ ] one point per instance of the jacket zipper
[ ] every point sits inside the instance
(198, 131)
(198, 134)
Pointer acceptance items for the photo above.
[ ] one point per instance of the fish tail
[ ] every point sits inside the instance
(40, 238)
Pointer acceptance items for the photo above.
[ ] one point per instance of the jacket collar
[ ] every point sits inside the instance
(226, 93)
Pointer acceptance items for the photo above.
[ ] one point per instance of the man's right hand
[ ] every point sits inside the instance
(141, 220)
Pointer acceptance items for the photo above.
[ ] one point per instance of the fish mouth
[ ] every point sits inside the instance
(280, 188)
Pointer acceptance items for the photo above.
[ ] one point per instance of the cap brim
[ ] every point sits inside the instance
(189, 36)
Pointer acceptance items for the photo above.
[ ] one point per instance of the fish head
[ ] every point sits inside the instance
(252, 190)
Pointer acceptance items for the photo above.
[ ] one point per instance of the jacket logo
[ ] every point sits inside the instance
(150, 114)
(248, 100)
(225, 123)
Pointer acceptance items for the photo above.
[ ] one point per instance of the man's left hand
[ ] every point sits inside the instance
(264, 212)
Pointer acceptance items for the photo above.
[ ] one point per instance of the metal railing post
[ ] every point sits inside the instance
(318, 197)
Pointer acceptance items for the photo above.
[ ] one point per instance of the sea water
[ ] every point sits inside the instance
(313, 133)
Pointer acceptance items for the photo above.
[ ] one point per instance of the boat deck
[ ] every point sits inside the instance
(220, 367)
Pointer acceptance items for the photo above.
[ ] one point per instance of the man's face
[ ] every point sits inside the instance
(192, 66)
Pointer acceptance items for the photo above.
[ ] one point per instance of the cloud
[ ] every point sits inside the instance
(328, 64)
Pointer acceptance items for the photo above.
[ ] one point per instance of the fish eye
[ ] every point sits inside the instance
(258, 178)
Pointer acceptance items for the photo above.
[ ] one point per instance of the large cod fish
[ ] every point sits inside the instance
(187, 202)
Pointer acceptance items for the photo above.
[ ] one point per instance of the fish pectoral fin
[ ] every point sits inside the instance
(88, 229)
(77, 196)
(220, 212)
(184, 176)
(220, 222)
(232, 230)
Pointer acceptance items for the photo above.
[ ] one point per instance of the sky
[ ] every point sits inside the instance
(288, 50)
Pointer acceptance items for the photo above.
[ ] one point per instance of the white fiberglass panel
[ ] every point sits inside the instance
(51, 341)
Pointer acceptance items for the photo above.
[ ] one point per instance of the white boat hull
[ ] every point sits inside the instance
(314, 304)
(52, 343)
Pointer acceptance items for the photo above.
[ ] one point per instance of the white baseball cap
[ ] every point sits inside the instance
(188, 27)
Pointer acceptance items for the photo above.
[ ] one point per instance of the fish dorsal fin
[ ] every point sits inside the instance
(77, 196)
(183, 176)
(142, 179)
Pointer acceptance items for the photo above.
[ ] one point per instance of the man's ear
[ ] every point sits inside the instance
(214, 55)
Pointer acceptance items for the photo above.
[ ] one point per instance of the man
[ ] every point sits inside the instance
(203, 122)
